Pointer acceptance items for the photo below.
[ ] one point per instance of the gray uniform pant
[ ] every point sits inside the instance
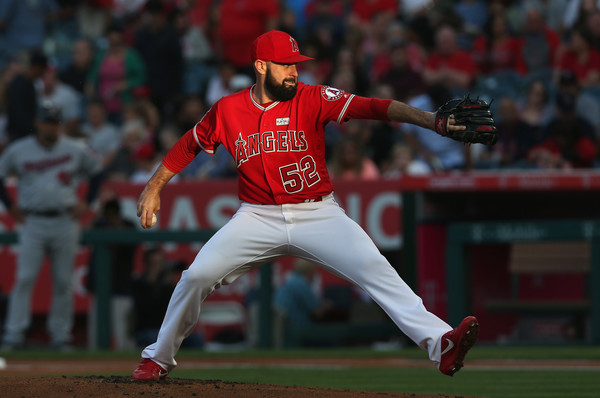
(58, 237)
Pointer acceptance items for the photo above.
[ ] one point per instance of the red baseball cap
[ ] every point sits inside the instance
(278, 47)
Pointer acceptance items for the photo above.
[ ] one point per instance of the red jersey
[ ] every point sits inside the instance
(366, 9)
(241, 21)
(569, 61)
(459, 61)
(500, 57)
(279, 148)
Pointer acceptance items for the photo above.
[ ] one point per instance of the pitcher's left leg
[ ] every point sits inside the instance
(331, 238)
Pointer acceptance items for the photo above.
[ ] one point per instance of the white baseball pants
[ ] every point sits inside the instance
(318, 231)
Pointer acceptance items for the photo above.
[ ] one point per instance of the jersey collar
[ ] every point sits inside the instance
(259, 106)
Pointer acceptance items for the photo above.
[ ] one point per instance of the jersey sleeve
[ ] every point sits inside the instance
(339, 106)
(202, 137)
(207, 130)
(182, 153)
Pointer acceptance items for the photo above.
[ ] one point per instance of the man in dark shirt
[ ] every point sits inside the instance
(151, 293)
(22, 98)
(75, 74)
(159, 46)
(121, 261)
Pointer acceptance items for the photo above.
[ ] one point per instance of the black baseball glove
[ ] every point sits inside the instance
(474, 114)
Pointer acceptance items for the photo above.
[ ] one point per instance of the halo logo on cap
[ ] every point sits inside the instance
(295, 48)
(277, 46)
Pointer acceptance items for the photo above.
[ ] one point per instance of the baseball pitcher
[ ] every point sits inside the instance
(275, 132)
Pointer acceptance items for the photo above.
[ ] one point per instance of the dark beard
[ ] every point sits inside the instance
(280, 92)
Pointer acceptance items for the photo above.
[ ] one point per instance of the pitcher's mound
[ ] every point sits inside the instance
(120, 386)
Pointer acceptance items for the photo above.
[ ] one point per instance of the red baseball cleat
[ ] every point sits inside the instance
(148, 370)
(456, 343)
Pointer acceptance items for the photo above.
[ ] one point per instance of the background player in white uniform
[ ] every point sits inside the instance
(49, 168)
(274, 131)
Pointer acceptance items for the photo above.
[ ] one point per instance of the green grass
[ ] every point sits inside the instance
(478, 352)
(478, 382)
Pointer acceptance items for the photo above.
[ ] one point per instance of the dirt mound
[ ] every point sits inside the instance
(120, 386)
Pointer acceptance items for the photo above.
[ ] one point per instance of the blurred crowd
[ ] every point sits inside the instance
(132, 76)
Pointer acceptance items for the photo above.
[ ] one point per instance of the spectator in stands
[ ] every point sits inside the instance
(405, 81)
(198, 57)
(148, 156)
(540, 43)
(424, 17)
(190, 112)
(377, 136)
(10, 71)
(226, 82)
(239, 22)
(576, 12)
(536, 111)
(167, 137)
(121, 260)
(298, 9)
(296, 300)
(123, 9)
(473, 13)
(581, 58)
(145, 163)
(346, 61)
(134, 135)
(64, 97)
(511, 11)
(365, 10)
(416, 54)
(439, 153)
(62, 31)
(93, 18)
(144, 110)
(102, 136)
(570, 142)
(23, 26)
(151, 293)
(555, 15)
(287, 22)
(514, 142)
(496, 50)
(116, 73)
(593, 25)
(402, 162)
(75, 74)
(587, 104)
(349, 161)
(374, 44)
(448, 64)
(22, 102)
(159, 45)
(325, 22)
